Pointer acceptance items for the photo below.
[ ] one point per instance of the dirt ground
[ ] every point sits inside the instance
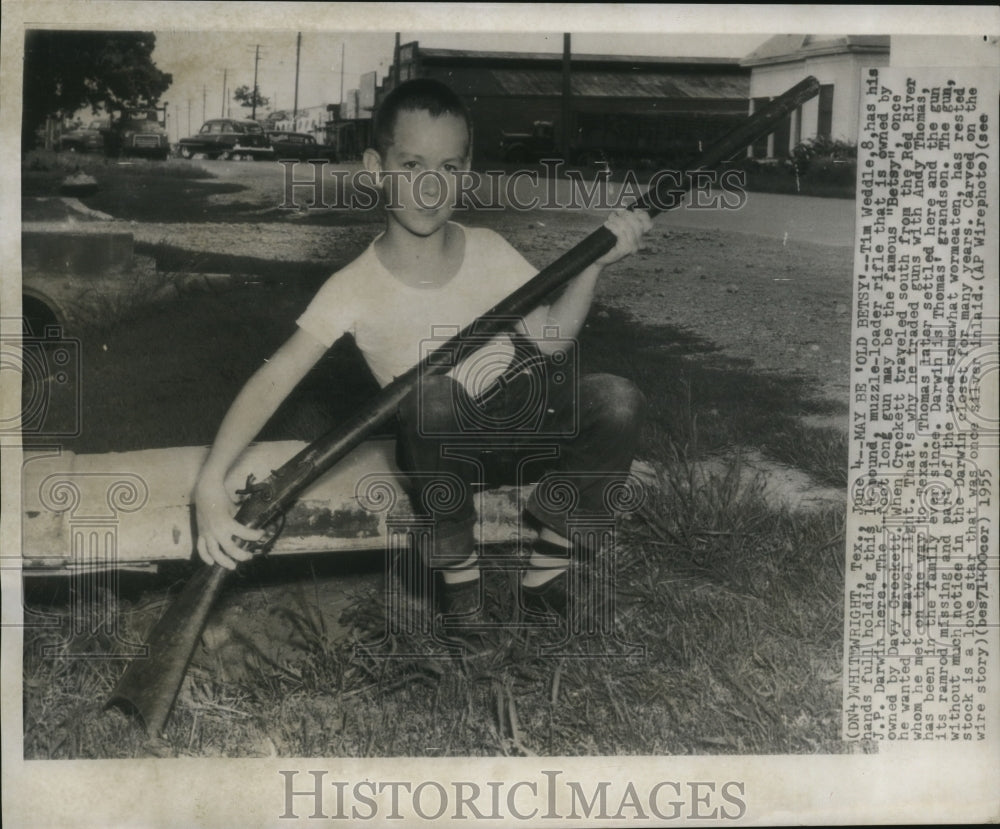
(752, 298)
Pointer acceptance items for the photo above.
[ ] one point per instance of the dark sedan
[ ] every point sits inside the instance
(227, 138)
(84, 139)
(300, 145)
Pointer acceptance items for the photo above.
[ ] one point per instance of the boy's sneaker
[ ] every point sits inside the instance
(552, 596)
(548, 598)
(460, 600)
(460, 615)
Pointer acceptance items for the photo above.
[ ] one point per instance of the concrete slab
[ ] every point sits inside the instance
(74, 252)
(133, 508)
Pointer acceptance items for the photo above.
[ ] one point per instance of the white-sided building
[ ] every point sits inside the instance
(312, 120)
(836, 61)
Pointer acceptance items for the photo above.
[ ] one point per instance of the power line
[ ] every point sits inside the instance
(298, 52)
(253, 99)
(255, 92)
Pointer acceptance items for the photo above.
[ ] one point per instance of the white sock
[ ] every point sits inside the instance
(544, 568)
(468, 570)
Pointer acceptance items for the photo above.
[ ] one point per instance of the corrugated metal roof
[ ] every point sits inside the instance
(638, 60)
(708, 86)
(788, 48)
(659, 85)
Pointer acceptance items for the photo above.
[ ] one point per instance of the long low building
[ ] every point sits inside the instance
(634, 107)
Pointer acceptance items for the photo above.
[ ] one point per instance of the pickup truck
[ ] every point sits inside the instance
(137, 131)
(540, 143)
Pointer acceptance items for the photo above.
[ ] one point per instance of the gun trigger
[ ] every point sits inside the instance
(272, 530)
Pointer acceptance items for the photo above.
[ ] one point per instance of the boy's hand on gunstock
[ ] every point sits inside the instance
(629, 226)
(217, 528)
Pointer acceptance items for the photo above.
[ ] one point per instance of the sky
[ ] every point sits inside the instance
(201, 61)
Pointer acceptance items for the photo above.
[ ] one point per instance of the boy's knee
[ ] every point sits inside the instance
(615, 400)
(430, 408)
(452, 546)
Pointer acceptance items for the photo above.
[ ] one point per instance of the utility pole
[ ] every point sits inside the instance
(256, 60)
(189, 116)
(341, 71)
(298, 52)
(204, 100)
(225, 77)
(567, 98)
(394, 74)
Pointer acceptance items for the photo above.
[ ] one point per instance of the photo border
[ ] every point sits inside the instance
(902, 783)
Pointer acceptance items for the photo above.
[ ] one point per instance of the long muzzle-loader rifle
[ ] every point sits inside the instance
(149, 686)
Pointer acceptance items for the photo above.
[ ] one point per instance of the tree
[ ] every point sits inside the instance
(252, 100)
(67, 70)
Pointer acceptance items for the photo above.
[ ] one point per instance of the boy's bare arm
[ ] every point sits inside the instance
(258, 400)
(571, 309)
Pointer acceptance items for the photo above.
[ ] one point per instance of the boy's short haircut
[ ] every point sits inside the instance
(418, 95)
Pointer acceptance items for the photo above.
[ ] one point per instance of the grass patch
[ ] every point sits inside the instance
(139, 190)
(63, 163)
(738, 608)
(822, 452)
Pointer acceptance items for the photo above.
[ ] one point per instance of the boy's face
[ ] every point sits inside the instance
(420, 166)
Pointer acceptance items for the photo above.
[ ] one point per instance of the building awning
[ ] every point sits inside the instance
(475, 81)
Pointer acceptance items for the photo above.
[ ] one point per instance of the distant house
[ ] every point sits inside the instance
(313, 120)
(836, 61)
(641, 106)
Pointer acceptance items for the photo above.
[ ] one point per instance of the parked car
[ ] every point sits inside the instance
(138, 131)
(529, 146)
(300, 145)
(84, 139)
(227, 138)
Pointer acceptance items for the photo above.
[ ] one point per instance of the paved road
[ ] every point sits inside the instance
(802, 218)
(795, 218)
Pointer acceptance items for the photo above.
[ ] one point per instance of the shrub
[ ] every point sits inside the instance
(812, 150)
(835, 171)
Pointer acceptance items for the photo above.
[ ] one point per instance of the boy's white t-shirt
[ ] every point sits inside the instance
(395, 325)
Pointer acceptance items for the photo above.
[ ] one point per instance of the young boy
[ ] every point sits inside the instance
(425, 271)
